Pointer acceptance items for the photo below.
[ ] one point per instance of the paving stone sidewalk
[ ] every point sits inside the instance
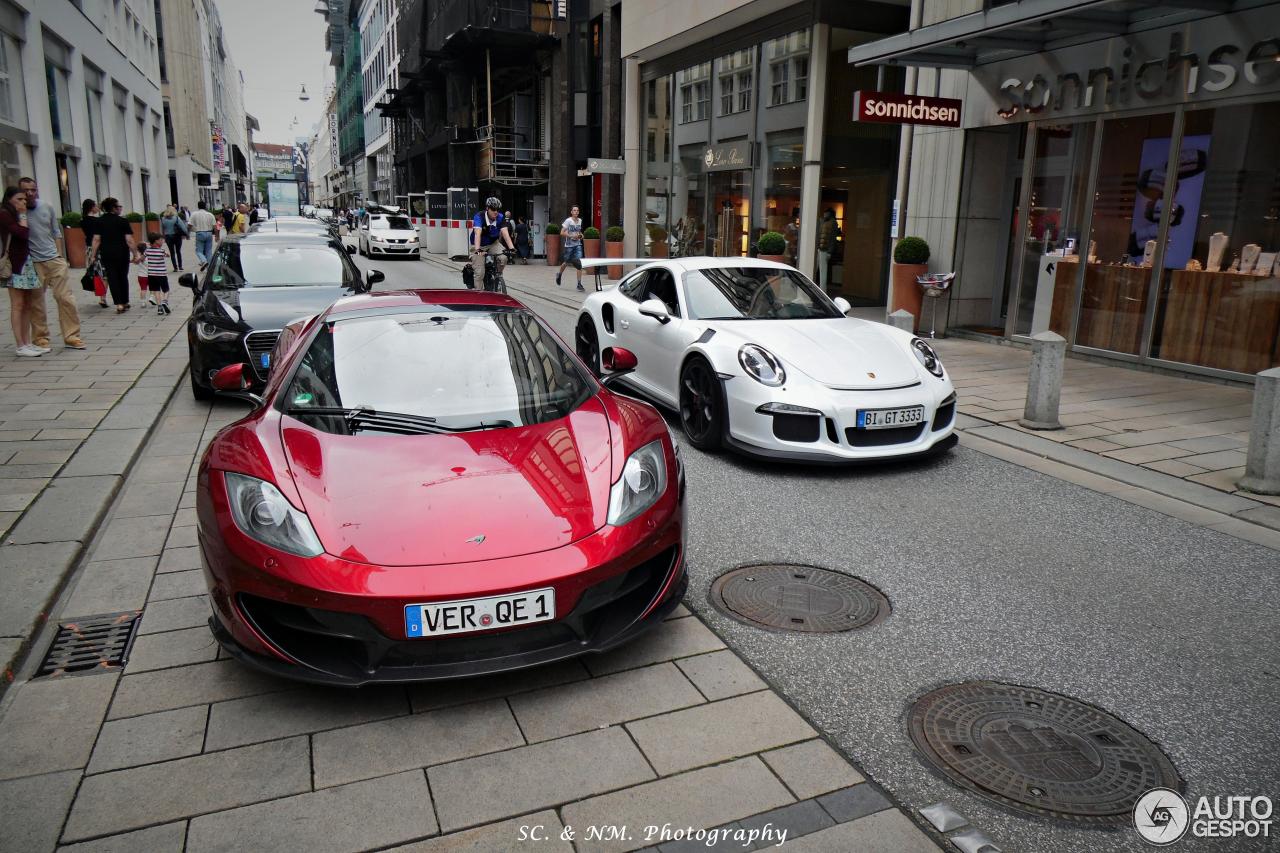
(71, 424)
(187, 750)
(1171, 443)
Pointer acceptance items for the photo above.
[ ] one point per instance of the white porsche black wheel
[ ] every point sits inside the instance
(701, 406)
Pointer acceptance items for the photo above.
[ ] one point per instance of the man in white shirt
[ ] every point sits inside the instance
(203, 224)
(571, 244)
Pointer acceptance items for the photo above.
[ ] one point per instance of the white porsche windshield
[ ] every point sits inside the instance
(755, 293)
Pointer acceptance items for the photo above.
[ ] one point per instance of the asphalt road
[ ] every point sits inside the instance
(996, 573)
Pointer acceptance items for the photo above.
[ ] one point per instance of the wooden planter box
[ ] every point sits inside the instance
(139, 233)
(613, 250)
(907, 295)
(591, 247)
(781, 259)
(553, 249)
(76, 249)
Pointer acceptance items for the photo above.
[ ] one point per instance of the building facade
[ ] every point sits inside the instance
(1113, 178)
(342, 39)
(322, 155)
(80, 102)
(379, 65)
(739, 122)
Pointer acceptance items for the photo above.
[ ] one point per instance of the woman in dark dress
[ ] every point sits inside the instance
(113, 244)
(89, 213)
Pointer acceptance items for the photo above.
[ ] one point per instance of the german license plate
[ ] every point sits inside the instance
(479, 614)
(885, 418)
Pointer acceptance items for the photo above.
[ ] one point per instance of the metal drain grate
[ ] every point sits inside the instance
(798, 598)
(1038, 752)
(94, 644)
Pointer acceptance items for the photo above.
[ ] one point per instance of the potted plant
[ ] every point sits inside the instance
(658, 242)
(551, 235)
(135, 220)
(613, 248)
(772, 246)
(910, 259)
(73, 237)
(591, 242)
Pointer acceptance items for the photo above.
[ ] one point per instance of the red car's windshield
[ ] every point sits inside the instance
(454, 368)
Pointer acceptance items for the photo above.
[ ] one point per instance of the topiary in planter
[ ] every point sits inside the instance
(911, 250)
(152, 216)
(133, 216)
(614, 234)
(591, 233)
(551, 228)
(771, 243)
(71, 219)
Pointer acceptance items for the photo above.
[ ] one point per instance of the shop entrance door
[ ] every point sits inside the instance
(729, 214)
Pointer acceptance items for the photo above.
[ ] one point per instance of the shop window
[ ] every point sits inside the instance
(785, 159)
(1219, 297)
(1126, 222)
(12, 101)
(657, 169)
(688, 202)
(10, 165)
(1053, 225)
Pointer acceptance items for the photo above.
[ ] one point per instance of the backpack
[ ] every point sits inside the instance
(469, 277)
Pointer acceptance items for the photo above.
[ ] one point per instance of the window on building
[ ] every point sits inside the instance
(168, 129)
(13, 107)
(695, 92)
(744, 91)
(801, 66)
(780, 89)
(164, 71)
(59, 105)
(650, 153)
(788, 58)
(726, 95)
(120, 130)
(93, 84)
(735, 80)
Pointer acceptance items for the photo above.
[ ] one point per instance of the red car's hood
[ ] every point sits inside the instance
(421, 500)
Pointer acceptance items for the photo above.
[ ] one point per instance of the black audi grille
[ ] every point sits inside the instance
(883, 437)
(258, 344)
(348, 645)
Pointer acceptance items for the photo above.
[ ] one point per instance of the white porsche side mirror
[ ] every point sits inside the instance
(653, 307)
(842, 304)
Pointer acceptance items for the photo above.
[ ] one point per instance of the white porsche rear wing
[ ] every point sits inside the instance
(598, 265)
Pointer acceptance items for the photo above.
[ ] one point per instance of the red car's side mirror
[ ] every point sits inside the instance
(616, 359)
(230, 378)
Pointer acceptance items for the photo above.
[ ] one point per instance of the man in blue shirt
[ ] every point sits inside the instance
(45, 237)
(488, 234)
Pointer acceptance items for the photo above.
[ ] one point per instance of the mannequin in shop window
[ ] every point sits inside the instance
(828, 234)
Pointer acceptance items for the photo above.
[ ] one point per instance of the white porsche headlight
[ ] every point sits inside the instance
(927, 357)
(643, 481)
(262, 513)
(762, 365)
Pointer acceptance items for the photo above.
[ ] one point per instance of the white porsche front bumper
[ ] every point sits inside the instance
(832, 434)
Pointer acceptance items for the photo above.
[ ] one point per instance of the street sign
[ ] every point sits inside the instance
(606, 167)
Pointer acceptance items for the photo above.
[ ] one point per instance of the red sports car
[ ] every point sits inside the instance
(432, 485)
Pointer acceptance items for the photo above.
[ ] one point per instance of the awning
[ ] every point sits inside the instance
(1032, 26)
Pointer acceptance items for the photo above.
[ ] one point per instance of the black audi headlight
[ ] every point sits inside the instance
(762, 365)
(211, 332)
(927, 357)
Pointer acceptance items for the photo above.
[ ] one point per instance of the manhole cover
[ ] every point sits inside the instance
(97, 643)
(798, 598)
(1039, 752)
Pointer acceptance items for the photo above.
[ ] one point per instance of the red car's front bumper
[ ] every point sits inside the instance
(329, 620)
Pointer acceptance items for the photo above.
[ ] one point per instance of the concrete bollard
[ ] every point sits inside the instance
(1262, 468)
(902, 319)
(1044, 381)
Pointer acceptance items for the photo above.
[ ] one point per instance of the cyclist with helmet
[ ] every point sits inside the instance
(488, 234)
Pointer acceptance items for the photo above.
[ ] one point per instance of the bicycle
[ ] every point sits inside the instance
(494, 281)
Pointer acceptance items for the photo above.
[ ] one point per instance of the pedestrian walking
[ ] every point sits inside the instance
(16, 274)
(828, 233)
(228, 216)
(114, 245)
(240, 220)
(174, 231)
(523, 247)
(571, 243)
(89, 213)
(158, 273)
(203, 224)
(46, 252)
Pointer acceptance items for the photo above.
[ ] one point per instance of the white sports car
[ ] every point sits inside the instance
(755, 357)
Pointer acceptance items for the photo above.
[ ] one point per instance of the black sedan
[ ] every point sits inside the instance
(253, 287)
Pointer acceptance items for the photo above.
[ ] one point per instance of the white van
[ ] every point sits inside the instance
(387, 234)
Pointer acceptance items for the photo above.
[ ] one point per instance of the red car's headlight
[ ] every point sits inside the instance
(262, 513)
(643, 480)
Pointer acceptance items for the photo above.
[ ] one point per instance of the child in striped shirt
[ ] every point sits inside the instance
(157, 258)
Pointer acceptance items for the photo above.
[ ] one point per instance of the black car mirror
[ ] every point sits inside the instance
(351, 250)
(187, 280)
(374, 277)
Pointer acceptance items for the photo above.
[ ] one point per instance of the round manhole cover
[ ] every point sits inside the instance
(1039, 752)
(798, 598)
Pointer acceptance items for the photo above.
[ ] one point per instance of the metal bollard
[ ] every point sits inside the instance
(902, 319)
(1262, 467)
(1044, 381)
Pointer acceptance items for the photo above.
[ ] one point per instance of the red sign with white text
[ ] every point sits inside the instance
(892, 108)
